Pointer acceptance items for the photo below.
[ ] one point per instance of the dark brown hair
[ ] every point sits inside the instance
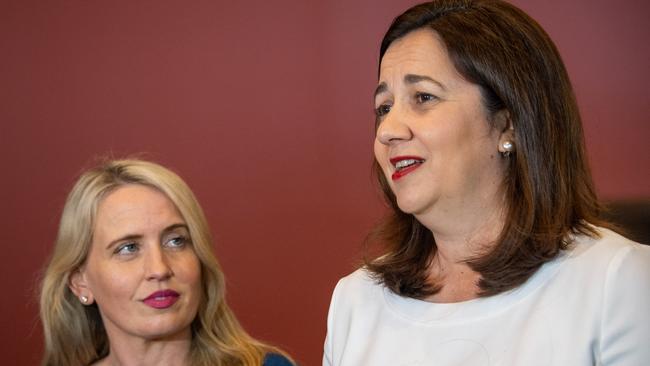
(548, 186)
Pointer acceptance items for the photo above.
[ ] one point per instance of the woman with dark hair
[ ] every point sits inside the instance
(495, 252)
(133, 279)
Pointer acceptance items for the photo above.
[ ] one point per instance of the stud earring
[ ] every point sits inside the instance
(83, 299)
(508, 147)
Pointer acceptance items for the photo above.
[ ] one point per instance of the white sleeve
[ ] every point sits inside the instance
(328, 359)
(625, 324)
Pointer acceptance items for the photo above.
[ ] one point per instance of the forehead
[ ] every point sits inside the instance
(419, 52)
(135, 203)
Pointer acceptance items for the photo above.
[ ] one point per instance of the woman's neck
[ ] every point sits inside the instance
(128, 352)
(457, 280)
(459, 239)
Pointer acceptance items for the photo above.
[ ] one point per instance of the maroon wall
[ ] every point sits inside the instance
(265, 108)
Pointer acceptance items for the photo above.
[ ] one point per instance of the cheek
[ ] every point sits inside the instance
(111, 283)
(376, 148)
(190, 270)
(381, 154)
(192, 280)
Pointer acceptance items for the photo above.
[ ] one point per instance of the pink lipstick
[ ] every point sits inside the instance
(404, 165)
(162, 299)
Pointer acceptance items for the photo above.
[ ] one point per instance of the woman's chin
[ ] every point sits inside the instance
(410, 206)
(165, 331)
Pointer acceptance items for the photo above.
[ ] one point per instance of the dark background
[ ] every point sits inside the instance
(265, 109)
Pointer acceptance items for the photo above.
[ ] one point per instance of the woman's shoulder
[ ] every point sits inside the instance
(622, 279)
(607, 243)
(275, 359)
(362, 277)
(356, 291)
(360, 282)
(628, 257)
(611, 256)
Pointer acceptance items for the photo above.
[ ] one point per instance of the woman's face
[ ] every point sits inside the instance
(434, 142)
(141, 269)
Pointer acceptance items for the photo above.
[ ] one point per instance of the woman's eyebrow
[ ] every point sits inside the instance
(409, 79)
(414, 79)
(127, 237)
(173, 227)
(123, 238)
(382, 87)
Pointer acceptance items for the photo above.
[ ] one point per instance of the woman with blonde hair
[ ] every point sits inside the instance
(133, 279)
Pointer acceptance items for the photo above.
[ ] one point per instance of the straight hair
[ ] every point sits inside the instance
(548, 187)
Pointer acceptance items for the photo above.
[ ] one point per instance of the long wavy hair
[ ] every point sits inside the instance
(548, 187)
(74, 333)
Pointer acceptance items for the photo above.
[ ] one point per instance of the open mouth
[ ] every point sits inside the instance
(404, 165)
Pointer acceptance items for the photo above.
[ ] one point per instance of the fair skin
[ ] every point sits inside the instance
(141, 246)
(440, 154)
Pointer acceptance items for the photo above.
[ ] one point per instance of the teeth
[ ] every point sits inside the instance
(404, 163)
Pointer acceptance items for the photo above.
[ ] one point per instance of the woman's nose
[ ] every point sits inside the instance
(394, 128)
(157, 265)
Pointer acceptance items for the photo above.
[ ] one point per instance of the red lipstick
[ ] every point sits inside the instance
(162, 299)
(404, 165)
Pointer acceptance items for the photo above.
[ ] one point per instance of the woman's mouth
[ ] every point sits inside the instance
(404, 165)
(162, 299)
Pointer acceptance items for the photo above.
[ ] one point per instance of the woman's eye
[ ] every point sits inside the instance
(382, 110)
(177, 242)
(424, 97)
(126, 249)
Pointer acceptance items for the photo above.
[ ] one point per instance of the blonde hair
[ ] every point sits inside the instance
(74, 333)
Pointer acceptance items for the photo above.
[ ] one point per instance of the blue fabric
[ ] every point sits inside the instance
(274, 359)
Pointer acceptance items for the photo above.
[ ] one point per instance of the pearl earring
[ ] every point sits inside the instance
(508, 147)
(83, 299)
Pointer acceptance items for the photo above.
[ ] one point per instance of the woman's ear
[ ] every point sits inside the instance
(506, 130)
(79, 286)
